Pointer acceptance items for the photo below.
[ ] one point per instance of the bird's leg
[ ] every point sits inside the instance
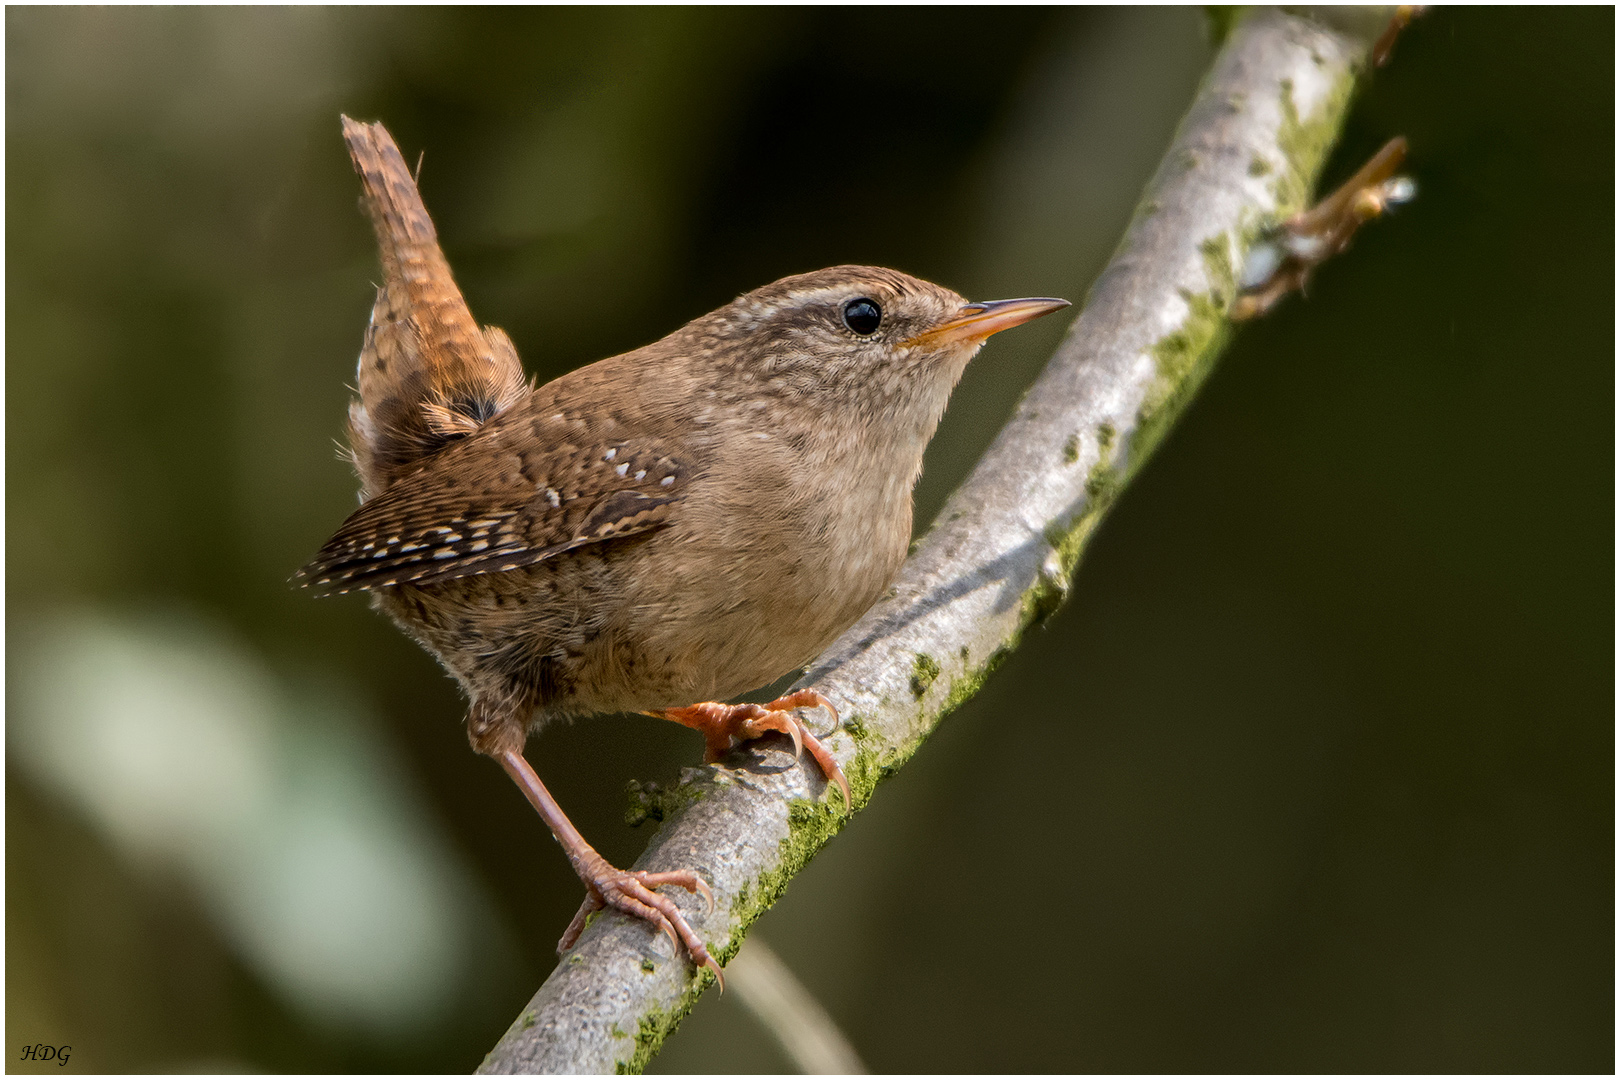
(724, 726)
(630, 891)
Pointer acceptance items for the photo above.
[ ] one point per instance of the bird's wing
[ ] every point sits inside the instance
(512, 495)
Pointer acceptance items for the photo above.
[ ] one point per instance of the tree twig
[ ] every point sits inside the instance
(1001, 554)
(795, 1019)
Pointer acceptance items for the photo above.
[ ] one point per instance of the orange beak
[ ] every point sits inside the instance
(975, 322)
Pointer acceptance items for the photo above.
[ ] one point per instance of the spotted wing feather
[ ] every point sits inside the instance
(509, 497)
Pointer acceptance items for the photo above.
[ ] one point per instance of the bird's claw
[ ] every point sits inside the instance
(719, 976)
(724, 727)
(702, 888)
(632, 892)
(803, 740)
(807, 699)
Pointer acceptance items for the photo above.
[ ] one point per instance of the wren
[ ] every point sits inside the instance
(677, 524)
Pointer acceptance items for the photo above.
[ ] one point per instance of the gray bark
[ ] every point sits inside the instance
(1004, 548)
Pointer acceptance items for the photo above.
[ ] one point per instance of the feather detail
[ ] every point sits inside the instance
(516, 493)
(428, 374)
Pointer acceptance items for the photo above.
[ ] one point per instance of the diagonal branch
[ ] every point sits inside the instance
(1002, 553)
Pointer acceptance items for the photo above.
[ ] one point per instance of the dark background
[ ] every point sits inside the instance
(1314, 772)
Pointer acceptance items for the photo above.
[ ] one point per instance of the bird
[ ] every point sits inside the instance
(657, 532)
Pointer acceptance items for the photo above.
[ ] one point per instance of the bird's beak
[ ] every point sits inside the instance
(975, 322)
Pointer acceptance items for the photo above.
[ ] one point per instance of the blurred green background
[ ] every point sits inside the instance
(1314, 772)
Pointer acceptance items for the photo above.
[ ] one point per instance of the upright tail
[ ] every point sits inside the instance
(428, 374)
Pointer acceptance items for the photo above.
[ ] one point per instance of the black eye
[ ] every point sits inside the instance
(862, 315)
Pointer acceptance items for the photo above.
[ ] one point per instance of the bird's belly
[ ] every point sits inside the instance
(734, 622)
(522, 634)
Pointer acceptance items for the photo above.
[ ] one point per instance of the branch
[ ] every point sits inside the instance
(1000, 556)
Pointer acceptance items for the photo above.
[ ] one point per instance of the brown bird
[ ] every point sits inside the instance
(681, 523)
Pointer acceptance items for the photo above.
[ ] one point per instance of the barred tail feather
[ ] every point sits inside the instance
(428, 374)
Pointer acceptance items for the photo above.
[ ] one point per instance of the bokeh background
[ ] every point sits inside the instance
(1314, 772)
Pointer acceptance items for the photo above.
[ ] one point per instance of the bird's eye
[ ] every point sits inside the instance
(863, 316)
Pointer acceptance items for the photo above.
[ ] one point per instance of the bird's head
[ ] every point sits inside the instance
(873, 341)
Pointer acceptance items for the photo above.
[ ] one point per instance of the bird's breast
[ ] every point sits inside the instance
(774, 556)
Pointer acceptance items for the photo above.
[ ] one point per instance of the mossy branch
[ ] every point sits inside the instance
(1001, 556)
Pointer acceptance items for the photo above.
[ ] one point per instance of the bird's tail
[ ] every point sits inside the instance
(428, 373)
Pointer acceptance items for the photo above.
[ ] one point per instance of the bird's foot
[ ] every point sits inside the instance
(631, 891)
(726, 726)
